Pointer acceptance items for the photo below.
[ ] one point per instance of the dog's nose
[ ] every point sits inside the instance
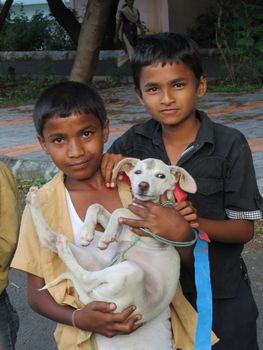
(143, 186)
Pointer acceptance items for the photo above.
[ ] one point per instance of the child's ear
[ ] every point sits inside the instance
(202, 86)
(42, 142)
(106, 130)
(138, 94)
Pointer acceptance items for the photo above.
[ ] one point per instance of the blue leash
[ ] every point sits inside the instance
(204, 296)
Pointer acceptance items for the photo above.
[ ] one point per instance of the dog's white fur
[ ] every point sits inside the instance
(149, 275)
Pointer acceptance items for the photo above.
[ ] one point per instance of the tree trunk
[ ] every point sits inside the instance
(65, 18)
(90, 38)
(4, 13)
(107, 42)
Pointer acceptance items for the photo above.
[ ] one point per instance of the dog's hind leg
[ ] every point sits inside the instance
(83, 296)
(88, 279)
(96, 213)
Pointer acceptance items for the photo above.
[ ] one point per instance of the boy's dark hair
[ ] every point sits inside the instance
(66, 98)
(165, 48)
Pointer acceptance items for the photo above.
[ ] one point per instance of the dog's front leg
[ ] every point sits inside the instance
(113, 228)
(96, 213)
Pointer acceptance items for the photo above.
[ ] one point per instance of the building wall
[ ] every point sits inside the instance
(161, 15)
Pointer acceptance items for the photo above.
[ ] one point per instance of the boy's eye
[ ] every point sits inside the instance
(137, 172)
(58, 140)
(178, 85)
(87, 133)
(152, 89)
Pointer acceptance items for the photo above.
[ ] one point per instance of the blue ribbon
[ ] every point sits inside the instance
(204, 296)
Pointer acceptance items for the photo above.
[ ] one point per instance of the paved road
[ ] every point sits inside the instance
(19, 149)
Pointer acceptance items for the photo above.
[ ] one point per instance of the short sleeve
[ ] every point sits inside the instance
(242, 198)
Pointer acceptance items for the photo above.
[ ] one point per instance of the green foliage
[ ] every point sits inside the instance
(241, 40)
(240, 87)
(24, 89)
(203, 32)
(236, 28)
(119, 77)
(24, 185)
(37, 33)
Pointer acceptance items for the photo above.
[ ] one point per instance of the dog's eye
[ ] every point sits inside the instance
(160, 176)
(137, 172)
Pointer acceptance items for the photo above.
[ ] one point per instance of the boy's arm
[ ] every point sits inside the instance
(95, 317)
(241, 199)
(228, 231)
(9, 216)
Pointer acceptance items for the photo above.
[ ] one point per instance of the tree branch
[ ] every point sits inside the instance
(66, 18)
(4, 13)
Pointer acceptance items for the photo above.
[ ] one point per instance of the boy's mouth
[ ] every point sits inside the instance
(78, 165)
(169, 110)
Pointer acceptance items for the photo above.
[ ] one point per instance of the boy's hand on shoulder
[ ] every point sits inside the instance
(109, 161)
(99, 317)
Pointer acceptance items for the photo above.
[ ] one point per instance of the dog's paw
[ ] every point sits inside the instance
(102, 244)
(87, 232)
(105, 240)
(86, 239)
(31, 196)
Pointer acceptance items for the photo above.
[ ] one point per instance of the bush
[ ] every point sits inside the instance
(37, 33)
(235, 27)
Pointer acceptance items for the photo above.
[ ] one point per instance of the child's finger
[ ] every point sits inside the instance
(131, 222)
(103, 306)
(129, 326)
(106, 169)
(125, 314)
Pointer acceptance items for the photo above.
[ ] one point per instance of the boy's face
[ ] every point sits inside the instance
(169, 92)
(75, 144)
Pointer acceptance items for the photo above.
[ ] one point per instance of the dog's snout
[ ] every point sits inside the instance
(143, 186)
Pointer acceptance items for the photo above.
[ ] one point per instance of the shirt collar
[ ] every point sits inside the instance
(153, 130)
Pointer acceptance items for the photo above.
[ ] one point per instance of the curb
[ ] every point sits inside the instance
(30, 169)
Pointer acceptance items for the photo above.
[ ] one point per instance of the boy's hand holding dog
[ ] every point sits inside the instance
(164, 222)
(99, 317)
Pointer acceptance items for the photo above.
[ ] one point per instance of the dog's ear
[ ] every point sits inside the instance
(185, 180)
(124, 165)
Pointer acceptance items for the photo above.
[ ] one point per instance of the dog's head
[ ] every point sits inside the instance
(151, 177)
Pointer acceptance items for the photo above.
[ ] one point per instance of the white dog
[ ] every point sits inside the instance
(145, 278)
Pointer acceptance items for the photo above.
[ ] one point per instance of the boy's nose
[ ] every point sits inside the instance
(167, 97)
(75, 149)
